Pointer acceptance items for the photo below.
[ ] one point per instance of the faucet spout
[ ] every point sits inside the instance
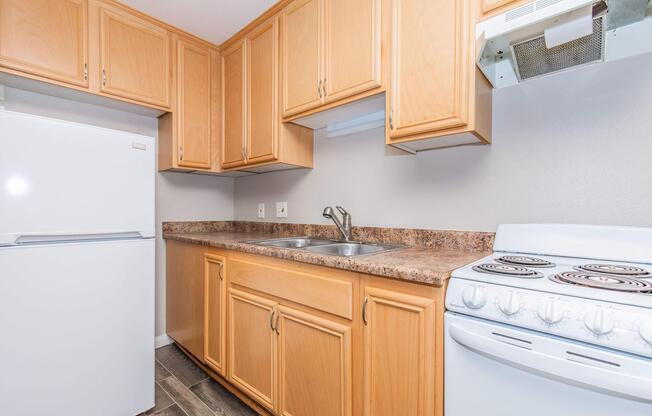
(344, 226)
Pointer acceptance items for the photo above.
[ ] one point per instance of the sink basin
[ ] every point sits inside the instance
(351, 249)
(292, 242)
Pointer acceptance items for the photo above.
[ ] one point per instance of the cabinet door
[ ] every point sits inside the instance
(134, 58)
(429, 66)
(315, 369)
(399, 354)
(490, 5)
(194, 104)
(262, 104)
(302, 56)
(215, 313)
(252, 346)
(352, 47)
(184, 296)
(48, 38)
(233, 106)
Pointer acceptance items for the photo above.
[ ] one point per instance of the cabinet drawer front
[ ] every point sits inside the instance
(430, 66)
(135, 58)
(316, 291)
(46, 37)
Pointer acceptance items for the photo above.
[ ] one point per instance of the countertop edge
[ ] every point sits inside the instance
(358, 264)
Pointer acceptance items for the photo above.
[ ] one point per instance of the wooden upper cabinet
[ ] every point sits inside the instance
(253, 346)
(352, 47)
(399, 375)
(301, 25)
(429, 66)
(215, 313)
(234, 112)
(194, 104)
(262, 93)
(47, 38)
(315, 371)
(134, 58)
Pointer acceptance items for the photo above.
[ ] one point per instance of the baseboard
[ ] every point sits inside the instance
(162, 340)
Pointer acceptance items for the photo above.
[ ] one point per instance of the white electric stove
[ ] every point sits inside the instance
(557, 311)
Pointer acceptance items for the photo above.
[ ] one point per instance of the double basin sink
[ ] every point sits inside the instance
(330, 247)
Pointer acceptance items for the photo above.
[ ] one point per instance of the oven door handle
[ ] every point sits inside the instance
(571, 372)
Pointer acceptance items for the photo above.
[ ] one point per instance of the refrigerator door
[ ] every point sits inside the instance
(77, 325)
(59, 178)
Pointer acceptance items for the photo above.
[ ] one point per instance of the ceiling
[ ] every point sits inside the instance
(212, 20)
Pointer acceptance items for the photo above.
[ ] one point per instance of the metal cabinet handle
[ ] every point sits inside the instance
(364, 310)
(85, 72)
(276, 324)
(181, 153)
(391, 118)
(271, 320)
(319, 89)
(221, 271)
(324, 87)
(103, 77)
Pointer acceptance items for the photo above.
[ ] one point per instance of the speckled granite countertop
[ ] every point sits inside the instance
(430, 261)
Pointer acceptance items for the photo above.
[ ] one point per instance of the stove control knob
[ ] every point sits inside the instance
(599, 321)
(510, 304)
(551, 312)
(474, 297)
(646, 331)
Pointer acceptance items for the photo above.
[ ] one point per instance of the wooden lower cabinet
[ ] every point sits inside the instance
(253, 346)
(403, 345)
(314, 365)
(304, 340)
(215, 313)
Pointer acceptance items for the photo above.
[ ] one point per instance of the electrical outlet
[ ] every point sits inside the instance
(261, 210)
(281, 210)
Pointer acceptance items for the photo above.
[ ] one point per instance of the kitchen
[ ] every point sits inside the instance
(244, 322)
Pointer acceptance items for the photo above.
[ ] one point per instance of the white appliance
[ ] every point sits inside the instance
(557, 321)
(76, 269)
(546, 36)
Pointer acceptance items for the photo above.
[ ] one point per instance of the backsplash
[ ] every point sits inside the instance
(437, 239)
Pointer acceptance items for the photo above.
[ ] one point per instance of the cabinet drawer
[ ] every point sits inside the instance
(325, 290)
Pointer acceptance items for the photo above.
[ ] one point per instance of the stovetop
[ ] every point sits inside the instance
(609, 281)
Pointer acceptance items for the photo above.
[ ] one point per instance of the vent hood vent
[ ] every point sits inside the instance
(548, 36)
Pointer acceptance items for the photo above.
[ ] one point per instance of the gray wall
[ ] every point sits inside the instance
(575, 147)
(179, 196)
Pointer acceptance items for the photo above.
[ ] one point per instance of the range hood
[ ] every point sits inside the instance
(547, 36)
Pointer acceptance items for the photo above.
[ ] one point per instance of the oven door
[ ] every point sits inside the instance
(495, 369)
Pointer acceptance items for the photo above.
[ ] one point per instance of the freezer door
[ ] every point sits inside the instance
(77, 325)
(63, 178)
(495, 369)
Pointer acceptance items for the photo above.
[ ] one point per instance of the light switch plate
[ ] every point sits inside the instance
(261, 210)
(281, 210)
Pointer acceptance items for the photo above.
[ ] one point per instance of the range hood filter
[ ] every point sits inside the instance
(534, 59)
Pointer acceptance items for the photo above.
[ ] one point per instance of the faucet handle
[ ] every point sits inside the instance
(342, 210)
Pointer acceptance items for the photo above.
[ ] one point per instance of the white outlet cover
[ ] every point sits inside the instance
(281, 210)
(261, 210)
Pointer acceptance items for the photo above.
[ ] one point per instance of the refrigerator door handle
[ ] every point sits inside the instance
(31, 239)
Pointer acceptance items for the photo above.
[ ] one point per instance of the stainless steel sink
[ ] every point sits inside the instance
(331, 247)
(352, 249)
(292, 242)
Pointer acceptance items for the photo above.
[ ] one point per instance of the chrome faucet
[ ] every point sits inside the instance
(344, 226)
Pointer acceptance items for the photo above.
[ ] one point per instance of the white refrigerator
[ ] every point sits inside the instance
(76, 268)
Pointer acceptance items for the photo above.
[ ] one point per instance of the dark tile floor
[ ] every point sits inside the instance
(184, 389)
